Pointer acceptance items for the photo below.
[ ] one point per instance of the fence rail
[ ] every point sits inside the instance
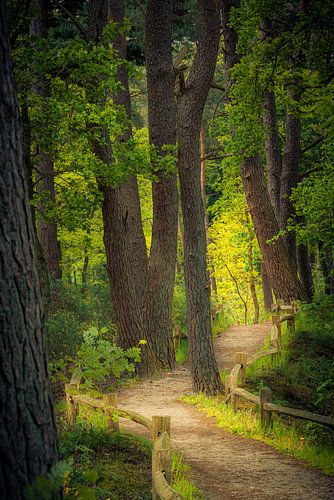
(159, 427)
(264, 399)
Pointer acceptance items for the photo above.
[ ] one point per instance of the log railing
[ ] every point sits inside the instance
(237, 375)
(159, 427)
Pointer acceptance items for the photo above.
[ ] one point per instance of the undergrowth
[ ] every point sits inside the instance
(112, 465)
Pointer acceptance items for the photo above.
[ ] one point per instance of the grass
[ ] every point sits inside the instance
(111, 465)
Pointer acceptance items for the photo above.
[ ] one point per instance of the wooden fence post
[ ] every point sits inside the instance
(159, 425)
(266, 416)
(161, 455)
(277, 322)
(240, 358)
(291, 325)
(72, 407)
(110, 400)
(231, 382)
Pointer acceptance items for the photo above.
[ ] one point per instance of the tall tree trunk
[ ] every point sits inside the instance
(327, 267)
(289, 176)
(253, 287)
(282, 274)
(161, 120)
(206, 217)
(84, 281)
(276, 259)
(47, 230)
(129, 190)
(191, 101)
(28, 429)
(304, 268)
(272, 151)
(266, 287)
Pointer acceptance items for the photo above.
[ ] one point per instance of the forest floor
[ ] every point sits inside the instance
(224, 465)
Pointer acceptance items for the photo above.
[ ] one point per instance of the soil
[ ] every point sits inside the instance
(224, 465)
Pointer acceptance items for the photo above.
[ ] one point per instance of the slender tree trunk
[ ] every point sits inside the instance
(206, 217)
(327, 267)
(266, 287)
(191, 101)
(161, 120)
(253, 287)
(84, 281)
(47, 230)
(28, 429)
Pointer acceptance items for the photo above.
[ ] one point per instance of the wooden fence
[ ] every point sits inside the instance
(237, 376)
(159, 427)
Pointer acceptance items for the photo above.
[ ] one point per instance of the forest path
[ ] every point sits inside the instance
(224, 465)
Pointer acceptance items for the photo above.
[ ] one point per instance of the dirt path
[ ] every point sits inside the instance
(223, 465)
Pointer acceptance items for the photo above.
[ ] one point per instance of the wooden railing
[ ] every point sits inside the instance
(237, 375)
(159, 427)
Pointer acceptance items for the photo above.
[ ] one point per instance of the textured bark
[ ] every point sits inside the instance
(266, 287)
(282, 274)
(28, 439)
(206, 217)
(191, 101)
(47, 230)
(129, 190)
(289, 176)
(84, 274)
(230, 42)
(272, 151)
(327, 267)
(162, 122)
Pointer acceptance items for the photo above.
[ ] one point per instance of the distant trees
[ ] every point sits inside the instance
(28, 430)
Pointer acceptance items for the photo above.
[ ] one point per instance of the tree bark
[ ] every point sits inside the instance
(304, 268)
(46, 230)
(289, 176)
(282, 274)
(161, 120)
(191, 101)
(28, 430)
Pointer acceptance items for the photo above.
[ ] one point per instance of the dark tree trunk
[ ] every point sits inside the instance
(304, 268)
(282, 274)
(206, 217)
(327, 267)
(161, 120)
(84, 280)
(47, 230)
(191, 101)
(272, 150)
(266, 287)
(289, 176)
(27, 425)
(230, 42)
(129, 190)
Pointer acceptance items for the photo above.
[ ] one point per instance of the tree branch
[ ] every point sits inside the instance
(73, 19)
(315, 142)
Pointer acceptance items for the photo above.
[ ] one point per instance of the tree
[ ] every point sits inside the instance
(45, 173)
(190, 102)
(28, 429)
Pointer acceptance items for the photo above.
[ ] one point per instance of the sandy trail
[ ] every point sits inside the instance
(224, 465)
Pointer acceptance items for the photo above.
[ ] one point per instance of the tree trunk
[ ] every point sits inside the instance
(28, 429)
(206, 217)
(275, 255)
(191, 101)
(289, 176)
(84, 282)
(266, 287)
(272, 151)
(327, 267)
(282, 274)
(47, 230)
(161, 120)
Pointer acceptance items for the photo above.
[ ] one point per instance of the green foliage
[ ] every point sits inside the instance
(181, 479)
(49, 485)
(106, 464)
(97, 357)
